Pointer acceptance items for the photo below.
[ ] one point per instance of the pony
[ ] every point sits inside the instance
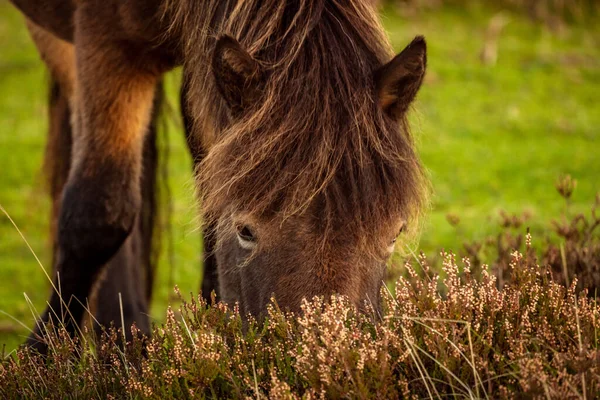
(296, 116)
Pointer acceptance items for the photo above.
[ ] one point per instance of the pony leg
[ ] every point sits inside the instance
(59, 57)
(57, 160)
(55, 16)
(210, 278)
(130, 273)
(120, 294)
(101, 199)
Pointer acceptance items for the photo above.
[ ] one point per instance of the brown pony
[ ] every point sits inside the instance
(296, 119)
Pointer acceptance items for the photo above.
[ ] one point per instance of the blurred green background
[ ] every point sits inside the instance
(510, 103)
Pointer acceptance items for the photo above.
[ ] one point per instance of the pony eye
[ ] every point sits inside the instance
(392, 246)
(393, 242)
(246, 237)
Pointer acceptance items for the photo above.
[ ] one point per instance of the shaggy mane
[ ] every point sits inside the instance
(317, 139)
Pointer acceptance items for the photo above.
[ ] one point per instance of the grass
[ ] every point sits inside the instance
(493, 138)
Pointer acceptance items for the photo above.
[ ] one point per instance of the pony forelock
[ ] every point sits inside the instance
(317, 138)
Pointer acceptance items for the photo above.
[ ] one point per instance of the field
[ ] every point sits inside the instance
(493, 137)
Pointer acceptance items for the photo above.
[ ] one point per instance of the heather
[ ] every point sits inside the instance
(523, 326)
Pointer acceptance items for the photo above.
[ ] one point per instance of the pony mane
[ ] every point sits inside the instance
(318, 136)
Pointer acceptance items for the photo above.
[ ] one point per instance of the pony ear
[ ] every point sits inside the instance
(237, 74)
(398, 81)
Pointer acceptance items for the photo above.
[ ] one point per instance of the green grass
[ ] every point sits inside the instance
(492, 137)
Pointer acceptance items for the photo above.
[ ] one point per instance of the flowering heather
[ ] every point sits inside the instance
(535, 337)
(571, 252)
(459, 332)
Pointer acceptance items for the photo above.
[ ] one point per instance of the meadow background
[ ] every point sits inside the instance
(494, 135)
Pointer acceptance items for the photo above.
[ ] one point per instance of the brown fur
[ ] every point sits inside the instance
(59, 56)
(297, 126)
(131, 271)
(321, 155)
(341, 147)
(107, 142)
